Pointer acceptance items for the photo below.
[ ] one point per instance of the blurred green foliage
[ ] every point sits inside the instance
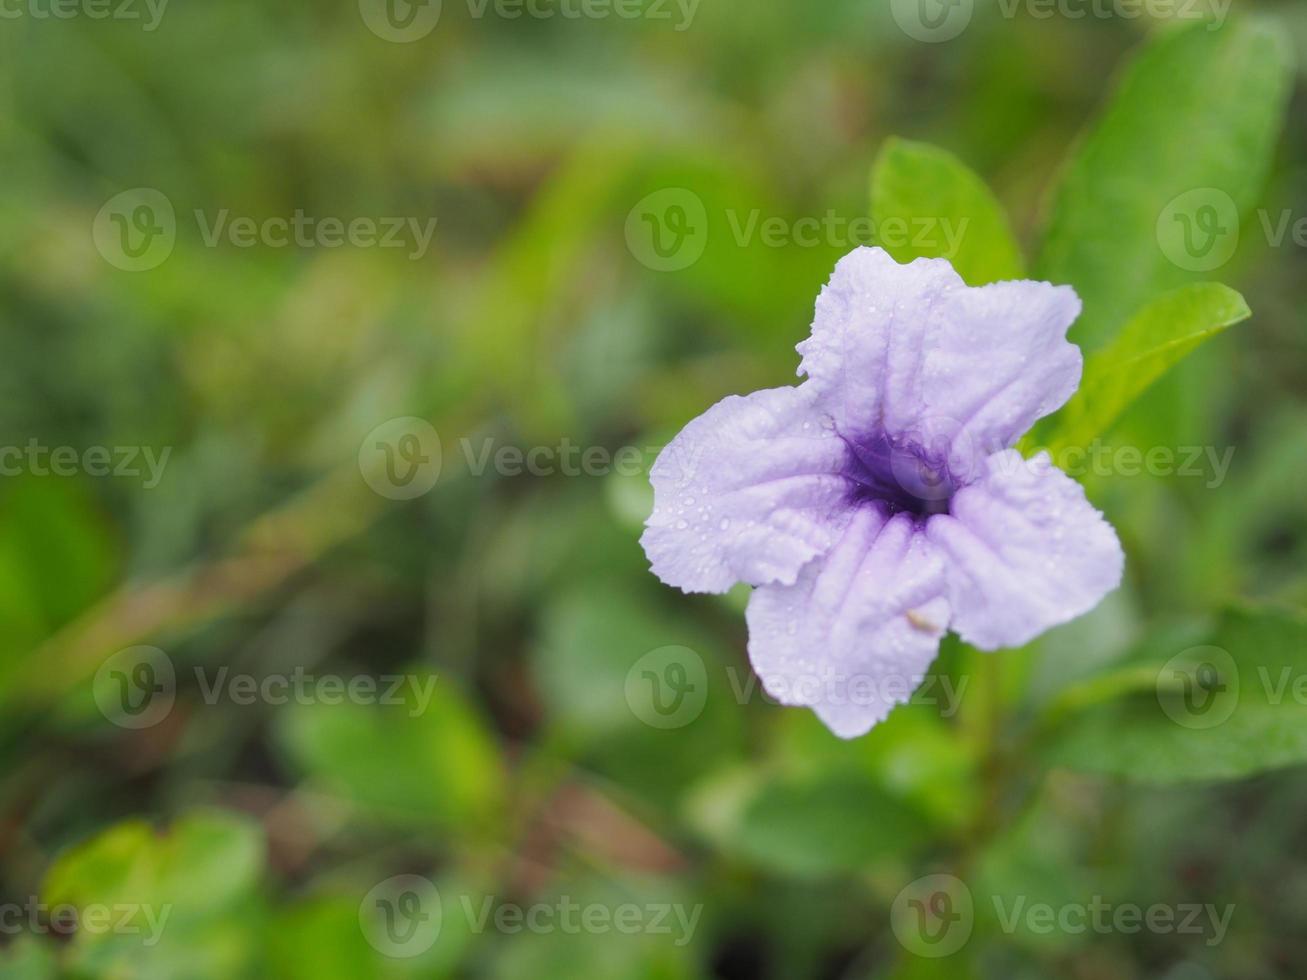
(264, 836)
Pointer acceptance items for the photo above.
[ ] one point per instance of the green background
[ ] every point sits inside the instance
(533, 776)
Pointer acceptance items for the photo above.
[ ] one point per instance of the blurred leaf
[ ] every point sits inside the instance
(646, 696)
(662, 928)
(56, 556)
(926, 202)
(207, 861)
(1220, 705)
(914, 754)
(180, 903)
(1037, 861)
(1198, 110)
(418, 762)
(1157, 337)
(320, 938)
(824, 826)
(28, 958)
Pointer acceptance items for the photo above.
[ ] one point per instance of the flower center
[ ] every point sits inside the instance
(902, 478)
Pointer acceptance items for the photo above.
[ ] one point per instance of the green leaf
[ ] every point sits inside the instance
(28, 959)
(1197, 113)
(423, 760)
(206, 863)
(832, 825)
(926, 202)
(182, 902)
(646, 696)
(1221, 704)
(1161, 334)
(56, 557)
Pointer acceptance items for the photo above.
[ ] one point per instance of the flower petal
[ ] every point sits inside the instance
(1025, 550)
(1000, 363)
(914, 353)
(853, 636)
(874, 324)
(749, 491)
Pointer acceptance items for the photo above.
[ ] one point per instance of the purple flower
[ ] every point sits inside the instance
(880, 503)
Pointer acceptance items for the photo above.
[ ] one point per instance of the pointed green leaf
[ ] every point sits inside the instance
(1181, 150)
(1219, 704)
(1161, 334)
(823, 826)
(926, 202)
(422, 757)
